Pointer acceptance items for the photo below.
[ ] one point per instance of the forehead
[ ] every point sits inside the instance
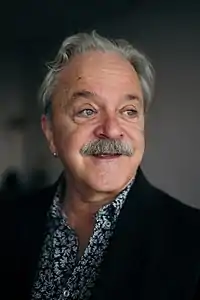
(103, 73)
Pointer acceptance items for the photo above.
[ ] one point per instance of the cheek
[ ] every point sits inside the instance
(60, 135)
(69, 139)
(136, 135)
(139, 144)
(66, 143)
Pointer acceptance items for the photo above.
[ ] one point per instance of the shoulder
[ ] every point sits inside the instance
(174, 222)
(27, 203)
(175, 208)
(24, 216)
(162, 210)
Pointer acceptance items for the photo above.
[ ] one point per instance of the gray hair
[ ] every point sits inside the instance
(83, 42)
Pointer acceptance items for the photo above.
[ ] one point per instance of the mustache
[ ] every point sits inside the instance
(107, 146)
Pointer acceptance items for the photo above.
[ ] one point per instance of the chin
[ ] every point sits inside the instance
(108, 184)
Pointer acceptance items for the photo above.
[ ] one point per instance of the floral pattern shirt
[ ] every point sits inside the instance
(61, 273)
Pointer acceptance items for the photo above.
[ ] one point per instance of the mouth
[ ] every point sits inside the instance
(107, 156)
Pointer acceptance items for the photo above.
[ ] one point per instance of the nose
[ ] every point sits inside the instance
(109, 128)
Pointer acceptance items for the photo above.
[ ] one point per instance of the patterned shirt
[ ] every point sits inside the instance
(61, 273)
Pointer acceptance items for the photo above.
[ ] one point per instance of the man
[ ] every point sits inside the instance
(102, 231)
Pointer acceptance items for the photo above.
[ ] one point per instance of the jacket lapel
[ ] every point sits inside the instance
(124, 259)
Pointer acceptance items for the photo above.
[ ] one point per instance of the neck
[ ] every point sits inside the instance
(82, 201)
(83, 204)
(80, 205)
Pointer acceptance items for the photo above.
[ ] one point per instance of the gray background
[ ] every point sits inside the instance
(170, 36)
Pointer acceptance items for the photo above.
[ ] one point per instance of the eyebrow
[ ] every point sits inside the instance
(132, 97)
(91, 95)
(83, 94)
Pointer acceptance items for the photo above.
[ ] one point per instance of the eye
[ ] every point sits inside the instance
(130, 112)
(86, 113)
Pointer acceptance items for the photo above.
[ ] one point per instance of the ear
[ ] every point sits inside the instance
(48, 132)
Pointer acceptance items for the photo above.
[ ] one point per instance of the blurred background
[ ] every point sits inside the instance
(167, 31)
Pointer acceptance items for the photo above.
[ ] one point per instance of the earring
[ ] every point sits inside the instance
(55, 154)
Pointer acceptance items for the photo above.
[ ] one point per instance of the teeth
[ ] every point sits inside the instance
(108, 154)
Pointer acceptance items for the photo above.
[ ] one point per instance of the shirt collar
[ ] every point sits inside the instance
(109, 211)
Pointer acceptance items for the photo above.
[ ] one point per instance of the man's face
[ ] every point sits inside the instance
(98, 96)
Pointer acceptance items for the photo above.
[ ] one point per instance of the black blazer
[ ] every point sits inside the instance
(154, 252)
